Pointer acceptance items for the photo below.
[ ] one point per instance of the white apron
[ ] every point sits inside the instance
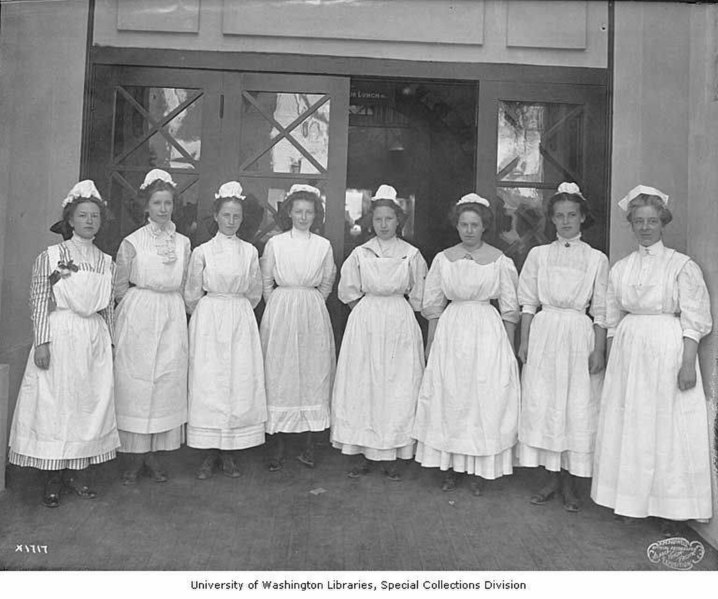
(226, 373)
(297, 338)
(560, 398)
(380, 364)
(152, 346)
(652, 447)
(467, 413)
(67, 411)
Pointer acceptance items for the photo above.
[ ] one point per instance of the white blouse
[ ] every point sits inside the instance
(447, 281)
(567, 273)
(152, 258)
(659, 280)
(358, 278)
(223, 265)
(297, 259)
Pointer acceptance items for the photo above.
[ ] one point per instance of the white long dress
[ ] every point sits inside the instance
(65, 415)
(151, 345)
(652, 448)
(296, 334)
(559, 398)
(381, 360)
(467, 413)
(227, 403)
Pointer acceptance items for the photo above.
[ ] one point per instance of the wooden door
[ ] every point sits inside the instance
(145, 118)
(283, 129)
(531, 138)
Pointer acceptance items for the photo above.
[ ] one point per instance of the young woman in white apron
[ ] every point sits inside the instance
(467, 413)
(297, 340)
(227, 402)
(381, 361)
(562, 350)
(151, 334)
(65, 414)
(652, 447)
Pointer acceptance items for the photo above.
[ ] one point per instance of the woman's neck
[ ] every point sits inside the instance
(473, 248)
(294, 232)
(81, 240)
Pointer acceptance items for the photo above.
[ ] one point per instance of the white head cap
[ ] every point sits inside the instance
(638, 190)
(83, 189)
(157, 174)
(230, 189)
(570, 188)
(297, 187)
(386, 192)
(473, 198)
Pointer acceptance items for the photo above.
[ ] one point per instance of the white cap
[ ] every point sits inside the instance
(386, 192)
(297, 187)
(230, 189)
(83, 189)
(157, 174)
(638, 190)
(473, 198)
(570, 188)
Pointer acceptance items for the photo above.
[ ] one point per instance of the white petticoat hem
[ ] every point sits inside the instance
(486, 466)
(377, 455)
(225, 439)
(142, 443)
(297, 420)
(576, 463)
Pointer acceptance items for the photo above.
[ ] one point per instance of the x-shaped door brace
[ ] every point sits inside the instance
(284, 132)
(157, 126)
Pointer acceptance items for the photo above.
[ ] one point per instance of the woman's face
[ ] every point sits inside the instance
(567, 218)
(384, 222)
(302, 214)
(159, 207)
(470, 228)
(229, 218)
(646, 224)
(86, 220)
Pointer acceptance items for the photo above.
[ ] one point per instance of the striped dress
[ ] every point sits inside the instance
(65, 415)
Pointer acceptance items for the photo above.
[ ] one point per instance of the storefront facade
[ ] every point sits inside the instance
(506, 98)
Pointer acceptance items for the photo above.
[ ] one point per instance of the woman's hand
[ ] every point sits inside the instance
(687, 377)
(42, 356)
(687, 373)
(596, 362)
(523, 351)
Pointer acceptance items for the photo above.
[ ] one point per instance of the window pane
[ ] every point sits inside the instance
(539, 143)
(176, 141)
(266, 115)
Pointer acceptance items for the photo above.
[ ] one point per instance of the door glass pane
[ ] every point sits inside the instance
(539, 142)
(285, 132)
(157, 127)
(540, 145)
(154, 127)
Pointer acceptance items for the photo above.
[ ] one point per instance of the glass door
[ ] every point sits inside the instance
(532, 137)
(145, 118)
(278, 130)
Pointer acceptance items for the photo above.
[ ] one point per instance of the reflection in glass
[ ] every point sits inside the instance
(176, 142)
(539, 143)
(302, 117)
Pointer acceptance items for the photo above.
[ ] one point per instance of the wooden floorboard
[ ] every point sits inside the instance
(272, 521)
